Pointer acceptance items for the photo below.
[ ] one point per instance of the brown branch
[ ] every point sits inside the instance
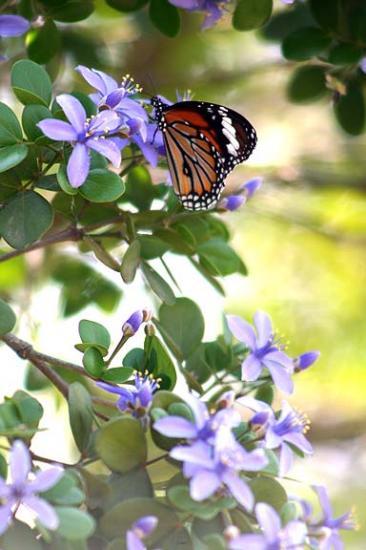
(71, 233)
(41, 361)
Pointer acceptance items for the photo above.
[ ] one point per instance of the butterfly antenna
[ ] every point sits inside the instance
(151, 82)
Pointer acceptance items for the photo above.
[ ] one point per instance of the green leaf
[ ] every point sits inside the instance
(119, 519)
(140, 190)
(307, 84)
(179, 496)
(11, 156)
(25, 218)
(267, 489)
(10, 130)
(165, 17)
(305, 43)
(182, 323)
(121, 444)
(219, 258)
(265, 393)
(287, 20)
(74, 524)
(135, 359)
(350, 111)
(65, 492)
(327, 13)
(101, 253)
(95, 334)
(71, 11)
(31, 83)
(133, 484)
(126, 5)
(345, 54)
(130, 262)
(158, 285)
(102, 186)
(43, 42)
(152, 247)
(80, 415)
(7, 318)
(93, 362)
(32, 114)
(251, 14)
(29, 409)
(159, 363)
(19, 535)
(118, 375)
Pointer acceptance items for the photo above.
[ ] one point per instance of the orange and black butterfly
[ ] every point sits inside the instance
(203, 142)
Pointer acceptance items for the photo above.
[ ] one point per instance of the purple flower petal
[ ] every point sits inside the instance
(251, 368)
(295, 533)
(45, 513)
(232, 202)
(147, 149)
(199, 410)
(300, 441)
(4, 489)
(213, 14)
(324, 501)
(255, 404)
(20, 462)
(74, 111)
(242, 330)
(78, 165)
(186, 4)
(13, 25)
(251, 186)
(133, 542)
(280, 376)
(239, 489)
(175, 426)
(57, 130)
(46, 479)
(146, 524)
(115, 389)
(5, 517)
(269, 521)
(97, 79)
(286, 459)
(107, 148)
(255, 460)
(104, 122)
(263, 325)
(280, 357)
(199, 454)
(252, 542)
(204, 484)
(305, 360)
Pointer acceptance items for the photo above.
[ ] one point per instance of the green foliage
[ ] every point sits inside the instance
(75, 524)
(350, 111)
(307, 84)
(43, 43)
(165, 17)
(80, 414)
(30, 83)
(121, 444)
(102, 186)
(131, 261)
(25, 218)
(7, 318)
(20, 415)
(251, 14)
(95, 335)
(126, 5)
(158, 285)
(182, 326)
(305, 43)
(10, 130)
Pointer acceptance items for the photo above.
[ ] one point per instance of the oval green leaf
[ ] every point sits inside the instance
(158, 285)
(10, 130)
(121, 444)
(25, 218)
(165, 17)
(102, 186)
(31, 83)
(251, 14)
(305, 43)
(7, 318)
(80, 414)
(11, 156)
(74, 524)
(93, 333)
(307, 84)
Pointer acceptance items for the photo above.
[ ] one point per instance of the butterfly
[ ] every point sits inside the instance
(203, 142)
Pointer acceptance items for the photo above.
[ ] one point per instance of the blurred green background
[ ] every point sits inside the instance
(302, 236)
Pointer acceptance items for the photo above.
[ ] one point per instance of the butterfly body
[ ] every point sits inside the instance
(204, 142)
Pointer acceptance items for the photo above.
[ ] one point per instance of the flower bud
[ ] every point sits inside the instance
(133, 323)
(305, 360)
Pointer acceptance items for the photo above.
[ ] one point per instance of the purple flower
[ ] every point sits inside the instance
(84, 134)
(305, 360)
(325, 533)
(274, 536)
(117, 97)
(204, 427)
(23, 489)
(212, 8)
(264, 353)
(13, 25)
(140, 529)
(282, 432)
(135, 399)
(362, 64)
(133, 323)
(243, 194)
(213, 458)
(211, 467)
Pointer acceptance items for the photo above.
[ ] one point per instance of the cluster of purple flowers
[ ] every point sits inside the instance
(139, 530)
(22, 490)
(213, 9)
(212, 458)
(266, 352)
(121, 119)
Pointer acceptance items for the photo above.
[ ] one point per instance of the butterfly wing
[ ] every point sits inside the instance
(204, 142)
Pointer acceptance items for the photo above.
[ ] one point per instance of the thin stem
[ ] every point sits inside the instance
(118, 347)
(161, 457)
